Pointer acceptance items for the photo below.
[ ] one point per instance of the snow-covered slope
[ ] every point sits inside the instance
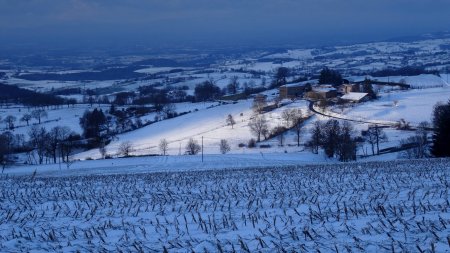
(368, 207)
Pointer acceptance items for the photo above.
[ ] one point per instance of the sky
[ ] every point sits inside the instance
(215, 22)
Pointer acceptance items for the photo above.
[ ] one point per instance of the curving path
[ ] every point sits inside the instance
(387, 124)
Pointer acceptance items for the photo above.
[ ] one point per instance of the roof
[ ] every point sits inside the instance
(354, 96)
(290, 85)
(323, 89)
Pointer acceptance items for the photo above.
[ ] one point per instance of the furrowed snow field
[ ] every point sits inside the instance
(363, 207)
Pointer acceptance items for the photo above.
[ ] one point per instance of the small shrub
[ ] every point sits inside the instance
(251, 143)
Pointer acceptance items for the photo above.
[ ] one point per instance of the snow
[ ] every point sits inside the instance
(251, 199)
(367, 207)
(155, 70)
(417, 82)
(170, 163)
(293, 54)
(63, 116)
(296, 84)
(354, 96)
(414, 106)
(323, 89)
(209, 123)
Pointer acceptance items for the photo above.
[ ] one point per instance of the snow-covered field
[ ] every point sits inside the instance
(400, 206)
(414, 105)
(64, 116)
(207, 123)
(150, 164)
(416, 82)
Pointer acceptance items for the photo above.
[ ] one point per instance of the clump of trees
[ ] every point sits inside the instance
(441, 134)
(10, 143)
(405, 71)
(259, 126)
(417, 146)
(9, 121)
(125, 148)
(335, 138)
(233, 86)
(26, 118)
(93, 124)
(224, 147)
(14, 94)
(192, 147)
(294, 120)
(280, 77)
(207, 91)
(374, 135)
(48, 146)
(367, 87)
(329, 76)
(38, 114)
(259, 103)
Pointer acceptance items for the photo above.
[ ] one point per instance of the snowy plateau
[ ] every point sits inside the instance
(275, 196)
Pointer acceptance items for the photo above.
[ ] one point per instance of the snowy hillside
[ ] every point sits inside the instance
(368, 207)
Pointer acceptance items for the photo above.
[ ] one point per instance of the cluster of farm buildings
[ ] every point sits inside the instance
(348, 92)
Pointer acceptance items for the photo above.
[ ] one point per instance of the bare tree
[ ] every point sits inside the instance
(316, 137)
(169, 110)
(163, 146)
(297, 123)
(26, 118)
(39, 114)
(67, 146)
(258, 126)
(287, 115)
(9, 120)
(374, 136)
(192, 147)
(423, 128)
(5, 149)
(330, 141)
(279, 132)
(403, 125)
(69, 162)
(259, 102)
(230, 120)
(417, 146)
(56, 136)
(125, 148)
(233, 86)
(371, 139)
(38, 138)
(346, 147)
(224, 146)
(102, 150)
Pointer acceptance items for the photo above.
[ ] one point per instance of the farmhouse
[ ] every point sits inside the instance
(293, 90)
(322, 92)
(355, 97)
(350, 87)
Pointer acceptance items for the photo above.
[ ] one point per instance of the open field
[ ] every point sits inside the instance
(355, 207)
